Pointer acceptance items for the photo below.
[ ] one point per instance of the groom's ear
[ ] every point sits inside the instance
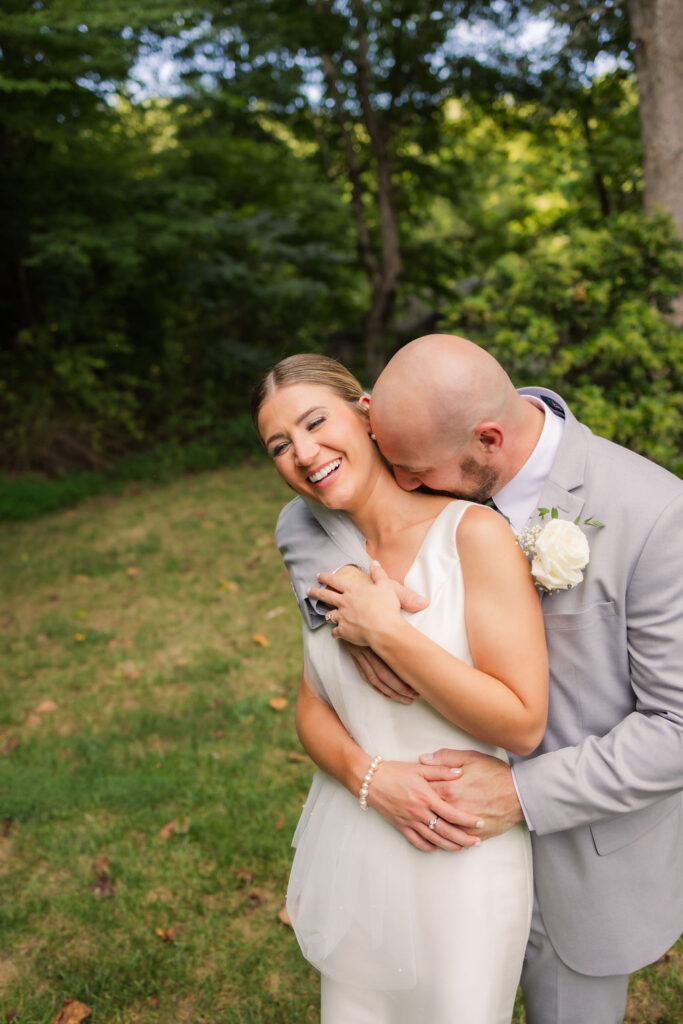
(490, 437)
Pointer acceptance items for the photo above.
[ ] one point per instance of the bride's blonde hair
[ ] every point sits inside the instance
(306, 368)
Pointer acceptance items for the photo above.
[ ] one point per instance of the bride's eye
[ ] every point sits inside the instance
(278, 449)
(315, 423)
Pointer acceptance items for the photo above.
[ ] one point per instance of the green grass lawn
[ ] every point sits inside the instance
(134, 695)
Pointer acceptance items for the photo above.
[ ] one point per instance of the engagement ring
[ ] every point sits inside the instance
(432, 824)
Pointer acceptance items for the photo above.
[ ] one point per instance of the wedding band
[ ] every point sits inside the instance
(328, 617)
(432, 824)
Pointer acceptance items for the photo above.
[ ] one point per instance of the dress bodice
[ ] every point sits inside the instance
(400, 731)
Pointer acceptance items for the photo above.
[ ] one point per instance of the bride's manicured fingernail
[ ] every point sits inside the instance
(426, 757)
(456, 771)
(480, 824)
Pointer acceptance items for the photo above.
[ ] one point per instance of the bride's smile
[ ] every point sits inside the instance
(320, 444)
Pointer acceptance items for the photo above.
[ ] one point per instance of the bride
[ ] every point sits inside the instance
(400, 936)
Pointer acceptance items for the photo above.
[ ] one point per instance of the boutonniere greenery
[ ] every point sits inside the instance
(558, 550)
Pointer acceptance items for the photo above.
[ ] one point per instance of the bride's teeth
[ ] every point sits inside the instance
(315, 478)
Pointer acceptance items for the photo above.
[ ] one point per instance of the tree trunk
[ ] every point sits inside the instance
(657, 31)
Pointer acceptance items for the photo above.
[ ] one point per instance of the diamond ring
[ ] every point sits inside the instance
(432, 824)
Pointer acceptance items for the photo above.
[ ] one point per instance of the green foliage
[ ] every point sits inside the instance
(583, 314)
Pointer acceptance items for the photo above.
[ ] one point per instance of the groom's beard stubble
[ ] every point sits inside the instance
(484, 483)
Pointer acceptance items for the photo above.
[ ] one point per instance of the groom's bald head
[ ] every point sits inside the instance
(439, 385)
(432, 404)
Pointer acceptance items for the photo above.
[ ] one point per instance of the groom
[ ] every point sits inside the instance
(602, 794)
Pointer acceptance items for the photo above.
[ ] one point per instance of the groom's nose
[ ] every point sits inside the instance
(408, 481)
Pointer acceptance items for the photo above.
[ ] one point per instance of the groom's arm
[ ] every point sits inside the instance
(306, 550)
(640, 761)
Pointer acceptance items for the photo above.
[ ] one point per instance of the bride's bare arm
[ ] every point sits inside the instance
(503, 700)
(400, 791)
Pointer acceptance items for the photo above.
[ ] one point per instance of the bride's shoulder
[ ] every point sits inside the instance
(479, 524)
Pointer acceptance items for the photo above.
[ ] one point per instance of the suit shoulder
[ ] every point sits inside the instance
(294, 518)
(621, 481)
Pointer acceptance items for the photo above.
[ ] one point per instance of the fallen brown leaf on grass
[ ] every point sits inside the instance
(296, 757)
(257, 897)
(73, 1012)
(229, 585)
(166, 934)
(46, 707)
(103, 886)
(32, 721)
(284, 917)
(275, 612)
(278, 703)
(10, 744)
(132, 571)
(179, 827)
(79, 637)
(260, 639)
(6, 827)
(244, 875)
(279, 823)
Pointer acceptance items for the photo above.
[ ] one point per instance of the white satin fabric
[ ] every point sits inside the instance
(401, 936)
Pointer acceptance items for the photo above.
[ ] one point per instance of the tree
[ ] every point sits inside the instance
(373, 75)
(657, 31)
(647, 34)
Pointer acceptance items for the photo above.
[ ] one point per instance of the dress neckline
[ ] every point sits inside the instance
(449, 505)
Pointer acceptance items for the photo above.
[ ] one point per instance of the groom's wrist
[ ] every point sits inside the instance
(524, 814)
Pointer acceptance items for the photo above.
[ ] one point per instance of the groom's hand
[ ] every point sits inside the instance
(485, 788)
(378, 674)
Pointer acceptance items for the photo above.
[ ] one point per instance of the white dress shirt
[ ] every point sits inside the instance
(519, 498)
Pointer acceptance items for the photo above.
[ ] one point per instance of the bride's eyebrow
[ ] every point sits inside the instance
(299, 419)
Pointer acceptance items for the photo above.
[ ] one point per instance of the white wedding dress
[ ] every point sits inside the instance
(401, 936)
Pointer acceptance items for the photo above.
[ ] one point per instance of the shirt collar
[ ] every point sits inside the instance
(519, 498)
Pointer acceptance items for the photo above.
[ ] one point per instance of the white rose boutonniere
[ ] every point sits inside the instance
(558, 550)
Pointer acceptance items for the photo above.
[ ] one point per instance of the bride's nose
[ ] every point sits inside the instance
(305, 450)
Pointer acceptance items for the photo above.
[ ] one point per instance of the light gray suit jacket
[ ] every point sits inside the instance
(604, 790)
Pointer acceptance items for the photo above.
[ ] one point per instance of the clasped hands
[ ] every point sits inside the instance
(471, 794)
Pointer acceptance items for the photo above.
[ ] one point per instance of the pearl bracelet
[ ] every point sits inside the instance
(363, 795)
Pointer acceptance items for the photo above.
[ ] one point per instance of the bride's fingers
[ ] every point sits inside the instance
(439, 773)
(416, 839)
(432, 836)
(331, 597)
(455, 835)
(455, 815)
(329, 579)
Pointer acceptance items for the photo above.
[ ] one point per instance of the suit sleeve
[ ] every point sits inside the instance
(640, 761)
(307, 549)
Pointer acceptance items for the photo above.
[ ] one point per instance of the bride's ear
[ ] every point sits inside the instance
(364, 407)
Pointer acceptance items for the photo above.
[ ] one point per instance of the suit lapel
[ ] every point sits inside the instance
(563, 488)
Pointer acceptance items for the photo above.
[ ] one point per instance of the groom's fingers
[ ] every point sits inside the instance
(378, 674)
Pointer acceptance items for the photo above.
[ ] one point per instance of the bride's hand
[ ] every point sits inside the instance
(360, 604)
(402, 793)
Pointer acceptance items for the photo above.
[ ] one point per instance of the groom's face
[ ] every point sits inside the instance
(461, 475)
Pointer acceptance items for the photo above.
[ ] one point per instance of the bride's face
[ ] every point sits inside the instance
(320, 444)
